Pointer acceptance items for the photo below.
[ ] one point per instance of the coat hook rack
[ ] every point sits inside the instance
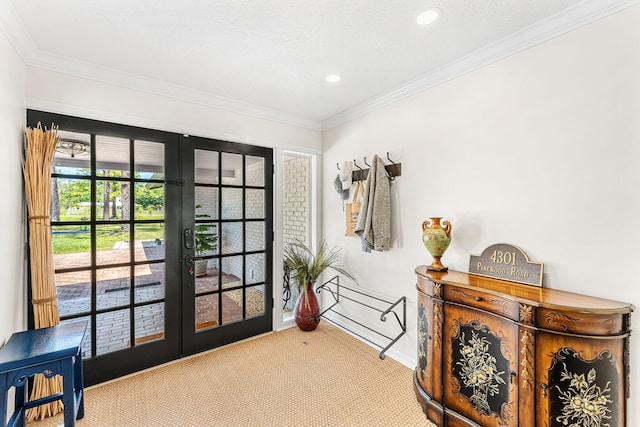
(389, 158)
(393, 170)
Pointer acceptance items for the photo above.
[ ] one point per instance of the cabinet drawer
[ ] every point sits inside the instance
(428, 288)
(577, 322)
(491, 303)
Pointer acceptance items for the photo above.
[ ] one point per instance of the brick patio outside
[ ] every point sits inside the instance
(113, 289)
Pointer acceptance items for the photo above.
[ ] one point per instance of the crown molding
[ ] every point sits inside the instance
(12, 26)
(568, 20)
(181, 93)
(18, 36)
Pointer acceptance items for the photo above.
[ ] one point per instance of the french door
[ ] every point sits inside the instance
(227, 241)
(162, 243)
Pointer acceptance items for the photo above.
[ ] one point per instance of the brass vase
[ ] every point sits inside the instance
(436, 239)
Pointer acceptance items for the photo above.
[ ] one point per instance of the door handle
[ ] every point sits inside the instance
(189, 238)
(189, 262)
(544, 387)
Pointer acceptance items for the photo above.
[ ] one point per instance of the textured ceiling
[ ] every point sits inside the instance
(273, 55)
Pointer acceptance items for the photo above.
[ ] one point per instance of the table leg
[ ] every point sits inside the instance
(68, 396)
(20, 398)
(3, 400)
(79, 384)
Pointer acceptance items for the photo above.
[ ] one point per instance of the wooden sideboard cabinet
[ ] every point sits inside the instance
(496, 353)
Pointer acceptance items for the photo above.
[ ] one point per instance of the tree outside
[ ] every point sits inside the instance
(71, 202)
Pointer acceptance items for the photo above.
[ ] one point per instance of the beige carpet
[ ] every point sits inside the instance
(289, 378)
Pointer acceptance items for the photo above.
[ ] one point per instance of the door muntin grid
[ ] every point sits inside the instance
(230, 196)
(100, 207)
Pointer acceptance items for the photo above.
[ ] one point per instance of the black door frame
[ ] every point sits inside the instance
(195, 342)
(175, 343)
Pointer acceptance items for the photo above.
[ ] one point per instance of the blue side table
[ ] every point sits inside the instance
(50, 351)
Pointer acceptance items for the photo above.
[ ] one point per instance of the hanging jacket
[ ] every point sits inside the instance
(374, 220)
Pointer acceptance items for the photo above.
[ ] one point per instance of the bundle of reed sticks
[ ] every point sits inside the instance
(37, 165)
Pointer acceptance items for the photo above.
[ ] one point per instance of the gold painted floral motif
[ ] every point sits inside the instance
(559, 320)
(436, 325)
(584, 402)
(479, 371)
(525, 354)
(526, 313)
(437, 290)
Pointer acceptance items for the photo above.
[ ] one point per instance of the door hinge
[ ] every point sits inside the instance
(178, 182)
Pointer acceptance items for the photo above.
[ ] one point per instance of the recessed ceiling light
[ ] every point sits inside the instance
(332, 78)
(429, 16)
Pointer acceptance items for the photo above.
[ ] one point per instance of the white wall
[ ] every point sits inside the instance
(540, 150)
(12, 120)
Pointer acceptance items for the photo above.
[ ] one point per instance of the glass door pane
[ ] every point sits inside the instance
(128, 249)
(232, 193)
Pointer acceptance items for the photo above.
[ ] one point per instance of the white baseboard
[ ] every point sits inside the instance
(393, 354)
(286, 324)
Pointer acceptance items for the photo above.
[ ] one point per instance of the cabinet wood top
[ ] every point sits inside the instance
(536, 296)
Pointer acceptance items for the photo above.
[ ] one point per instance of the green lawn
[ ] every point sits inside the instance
(73, 238)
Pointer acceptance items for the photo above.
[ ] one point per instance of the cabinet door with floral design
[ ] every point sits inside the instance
(480, 365)
(580, 381)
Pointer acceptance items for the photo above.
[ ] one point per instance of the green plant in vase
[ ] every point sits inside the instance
(206, 242)
(306, 266)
